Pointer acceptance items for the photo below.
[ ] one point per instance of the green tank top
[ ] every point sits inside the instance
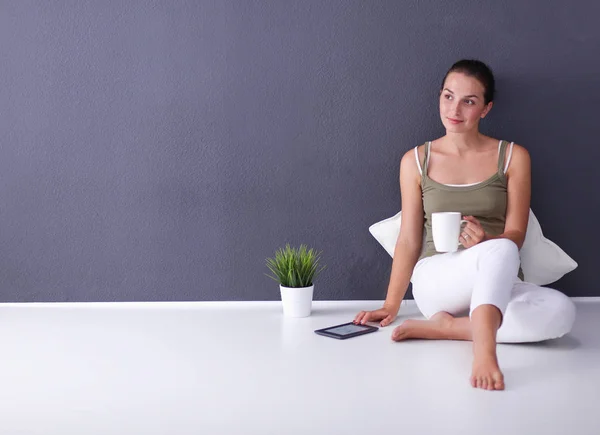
(486, 201)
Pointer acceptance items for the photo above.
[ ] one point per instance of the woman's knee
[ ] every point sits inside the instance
(503, 245)
(504, 250)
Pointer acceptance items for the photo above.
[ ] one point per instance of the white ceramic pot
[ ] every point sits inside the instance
(297, 301)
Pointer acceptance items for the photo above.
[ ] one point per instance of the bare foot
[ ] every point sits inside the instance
(439, 327)
(486, 373)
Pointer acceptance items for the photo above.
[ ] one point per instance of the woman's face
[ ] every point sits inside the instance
(461, 103)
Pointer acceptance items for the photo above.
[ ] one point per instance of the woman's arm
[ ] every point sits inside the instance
(409, 243)
(519, 197)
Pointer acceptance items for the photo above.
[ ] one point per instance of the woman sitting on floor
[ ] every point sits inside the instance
(489, 182)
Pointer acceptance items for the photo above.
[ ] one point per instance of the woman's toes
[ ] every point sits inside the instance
(490, 384)
(484, 383)
(404, 331)
(498, 381)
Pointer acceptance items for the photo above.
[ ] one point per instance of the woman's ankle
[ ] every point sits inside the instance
(484, 349)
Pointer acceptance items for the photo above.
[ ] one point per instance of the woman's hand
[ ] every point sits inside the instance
(384, 314)
(473, 233)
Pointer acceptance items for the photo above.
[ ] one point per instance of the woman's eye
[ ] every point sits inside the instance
(448, 96)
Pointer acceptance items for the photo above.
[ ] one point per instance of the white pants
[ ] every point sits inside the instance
(458, 282)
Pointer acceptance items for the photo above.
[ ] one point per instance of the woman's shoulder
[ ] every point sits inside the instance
(520, 154)
(412, 161)
(516, 149)
(511, 147)
(517, 159)
(418, 150)
(509, 144)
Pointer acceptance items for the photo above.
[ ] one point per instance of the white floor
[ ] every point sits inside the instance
(242, 368)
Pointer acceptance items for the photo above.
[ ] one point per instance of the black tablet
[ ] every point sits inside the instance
(346, 330)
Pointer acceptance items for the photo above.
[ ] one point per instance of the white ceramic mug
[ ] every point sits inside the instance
(446, 228)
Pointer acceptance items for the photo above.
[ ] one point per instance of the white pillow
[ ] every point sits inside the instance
(543, 262)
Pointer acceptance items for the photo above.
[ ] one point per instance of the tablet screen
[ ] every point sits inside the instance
(346, 329)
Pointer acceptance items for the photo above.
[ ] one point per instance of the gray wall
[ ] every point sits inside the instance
(162, 150)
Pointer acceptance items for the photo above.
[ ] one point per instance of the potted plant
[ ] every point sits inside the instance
(295, 271)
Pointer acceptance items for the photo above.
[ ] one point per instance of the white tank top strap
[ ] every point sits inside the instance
(509, 156)
(417, 159)
(428, 152)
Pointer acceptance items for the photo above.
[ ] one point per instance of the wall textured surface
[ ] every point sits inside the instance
(162, 150)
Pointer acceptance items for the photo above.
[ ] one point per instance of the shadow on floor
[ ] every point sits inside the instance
(566, 342)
